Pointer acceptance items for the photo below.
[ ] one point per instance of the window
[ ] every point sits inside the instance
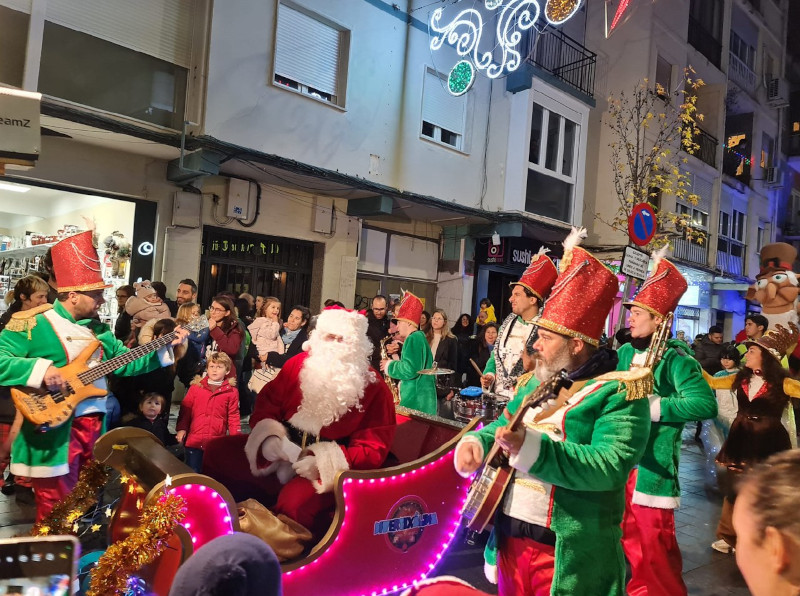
(731, 233)
(767, 150)
(443, 115)
(663, 77)
(762, 237)
(552, 152)
(698, 219)
(14, 20)
(310, 55)
(743, 51)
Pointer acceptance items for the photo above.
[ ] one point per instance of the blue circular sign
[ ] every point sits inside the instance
(642, 224)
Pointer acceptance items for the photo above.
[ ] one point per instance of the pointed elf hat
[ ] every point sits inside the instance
(76, 265)
(778, 340)
(410, 309)
(663, 288)
(540, 275)
(583, 294)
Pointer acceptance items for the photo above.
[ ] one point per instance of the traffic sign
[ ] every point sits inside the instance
(634, 262)
(642, 224)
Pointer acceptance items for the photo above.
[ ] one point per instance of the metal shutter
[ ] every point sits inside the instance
(441, 108)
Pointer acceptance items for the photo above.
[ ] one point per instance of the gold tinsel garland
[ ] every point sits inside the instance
(67, 511)
(143, 546)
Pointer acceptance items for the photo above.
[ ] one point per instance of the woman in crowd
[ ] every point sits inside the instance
(444, 347)
(482, 350)
(30, 292)
(225, 333)
(295, 333)
(463, 332)
(425, 322)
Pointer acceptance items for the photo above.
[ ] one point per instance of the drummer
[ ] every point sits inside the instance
(527, 298)
(417, 391)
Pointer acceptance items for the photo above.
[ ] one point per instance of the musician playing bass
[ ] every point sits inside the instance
(557, 529)
(680, 395)
(527, 296)
(37, 342)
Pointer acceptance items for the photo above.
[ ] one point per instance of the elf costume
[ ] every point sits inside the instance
(680, 395)
(49, 335)
(505, 361)
(417, 392)
(558, 527)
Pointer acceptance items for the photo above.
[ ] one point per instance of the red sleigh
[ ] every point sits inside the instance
(391, 526)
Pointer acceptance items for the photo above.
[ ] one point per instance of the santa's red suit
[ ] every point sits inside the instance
(360, 439)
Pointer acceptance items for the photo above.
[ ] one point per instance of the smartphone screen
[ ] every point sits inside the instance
(38, 566)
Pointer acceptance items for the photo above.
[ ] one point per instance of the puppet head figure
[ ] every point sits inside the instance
(776, 286)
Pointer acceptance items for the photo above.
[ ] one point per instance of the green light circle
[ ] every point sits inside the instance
(461, 78)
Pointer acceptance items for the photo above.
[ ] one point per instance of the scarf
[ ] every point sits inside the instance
(289, 336)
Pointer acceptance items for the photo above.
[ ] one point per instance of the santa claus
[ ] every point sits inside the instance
(327, 411)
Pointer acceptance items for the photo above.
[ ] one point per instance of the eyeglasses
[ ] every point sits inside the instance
(215, 309)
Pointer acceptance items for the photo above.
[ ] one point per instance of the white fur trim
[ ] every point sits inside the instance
(490, 571)
(466, 439)
(330, 461)
(305, 422)
(655, 501)
(655, 407)
(260, 433)
(36, 378)
(339, 321)
(306, 346)
(529, 452)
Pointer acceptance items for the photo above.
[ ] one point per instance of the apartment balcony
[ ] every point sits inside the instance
(690, 252)
(707, 150)
(730, 257)
(704, 42)
(741, 74)
(565, 58)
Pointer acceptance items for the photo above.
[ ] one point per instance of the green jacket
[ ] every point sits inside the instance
(28, 346)
(681, 395)
(581, 456)
(417, 392)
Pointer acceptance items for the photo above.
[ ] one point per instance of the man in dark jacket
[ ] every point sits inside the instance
(709, 350)
(378, 328)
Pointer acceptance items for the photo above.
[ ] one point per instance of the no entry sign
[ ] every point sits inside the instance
(642, 224)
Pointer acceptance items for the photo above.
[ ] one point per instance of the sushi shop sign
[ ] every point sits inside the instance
(511, 251)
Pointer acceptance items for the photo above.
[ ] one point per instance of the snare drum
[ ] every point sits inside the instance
(469, 403)
(495, 404)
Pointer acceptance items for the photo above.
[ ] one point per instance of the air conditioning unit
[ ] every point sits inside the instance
(772, 176)
(778, 93)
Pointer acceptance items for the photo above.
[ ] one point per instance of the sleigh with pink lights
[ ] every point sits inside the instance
(391, 526)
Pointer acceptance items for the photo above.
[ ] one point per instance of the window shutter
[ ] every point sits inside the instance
(441, 108)
(703, 189)
(307, 50)
(20, 5)
(159, 28)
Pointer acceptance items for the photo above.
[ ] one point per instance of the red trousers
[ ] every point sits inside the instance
(650, 545)
(524, 567)
(49, 491)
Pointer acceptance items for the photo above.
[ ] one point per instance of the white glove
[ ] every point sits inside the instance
(307, 468)
(272, 449)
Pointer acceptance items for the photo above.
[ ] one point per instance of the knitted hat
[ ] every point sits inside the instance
(582, 295)
(540, 275)
(410, 309)
(663, 288)
(75, 264)
(778, 340)
(144, 289)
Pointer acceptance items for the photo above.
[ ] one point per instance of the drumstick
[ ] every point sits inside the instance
(475, 366)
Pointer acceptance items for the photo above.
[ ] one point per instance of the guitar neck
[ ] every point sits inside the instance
(109, 366)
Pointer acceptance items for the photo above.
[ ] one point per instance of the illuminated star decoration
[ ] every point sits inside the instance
(131, 488)
(168, 481)
(95, 527)
(108, 512)
(623, 6)
(465, 33)
(124, 478)
(75, 527)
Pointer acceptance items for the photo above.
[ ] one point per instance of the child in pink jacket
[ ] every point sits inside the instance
(209, 410)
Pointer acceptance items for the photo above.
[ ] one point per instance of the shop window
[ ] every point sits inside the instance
(552, 154)
(443, 115)
(14, 20)
(310, 54)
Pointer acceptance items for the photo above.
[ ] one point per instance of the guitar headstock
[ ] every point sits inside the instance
(197, 323)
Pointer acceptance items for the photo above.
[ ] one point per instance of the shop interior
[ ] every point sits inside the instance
(33, 218)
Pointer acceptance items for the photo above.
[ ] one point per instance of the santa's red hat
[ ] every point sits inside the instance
(663, 288)
(582, 295)
(540, 275)
(410, 309)
(75, 264)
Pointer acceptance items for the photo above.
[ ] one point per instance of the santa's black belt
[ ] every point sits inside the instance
(516, 528)
(304, 439)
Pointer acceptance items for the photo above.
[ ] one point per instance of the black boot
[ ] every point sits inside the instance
(9, 486)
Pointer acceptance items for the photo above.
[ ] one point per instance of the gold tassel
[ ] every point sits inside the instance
(637, 382)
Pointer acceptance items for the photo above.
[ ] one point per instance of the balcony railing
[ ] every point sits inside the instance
(741, 74)
(704, 42)
(565, 58)
(730, 256)
(707, 150)
(690, 251)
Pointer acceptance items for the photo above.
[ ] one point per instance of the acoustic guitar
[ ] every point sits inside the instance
(493, 478)
(49, 409)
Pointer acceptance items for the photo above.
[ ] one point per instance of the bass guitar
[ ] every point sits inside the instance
(48, 409)
(494, 476)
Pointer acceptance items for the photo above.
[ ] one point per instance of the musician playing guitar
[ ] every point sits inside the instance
(37, 343)
(557, 528)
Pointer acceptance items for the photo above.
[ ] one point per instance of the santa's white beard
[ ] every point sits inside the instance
(544, 371)
(332, 381)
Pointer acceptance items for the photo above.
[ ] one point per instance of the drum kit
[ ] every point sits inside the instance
(471, 401)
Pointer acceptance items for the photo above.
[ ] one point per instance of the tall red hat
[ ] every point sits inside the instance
(410, 309)
(540, 275)
(663, 288)
(582, 296)
(76, 265)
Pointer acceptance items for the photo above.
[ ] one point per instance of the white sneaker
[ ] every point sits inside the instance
(722, 547)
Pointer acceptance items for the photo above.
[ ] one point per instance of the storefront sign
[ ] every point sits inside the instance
(634, 262)
(20, 133)
(496, 253)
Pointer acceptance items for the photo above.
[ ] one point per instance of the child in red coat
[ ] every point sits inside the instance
(209, 410)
